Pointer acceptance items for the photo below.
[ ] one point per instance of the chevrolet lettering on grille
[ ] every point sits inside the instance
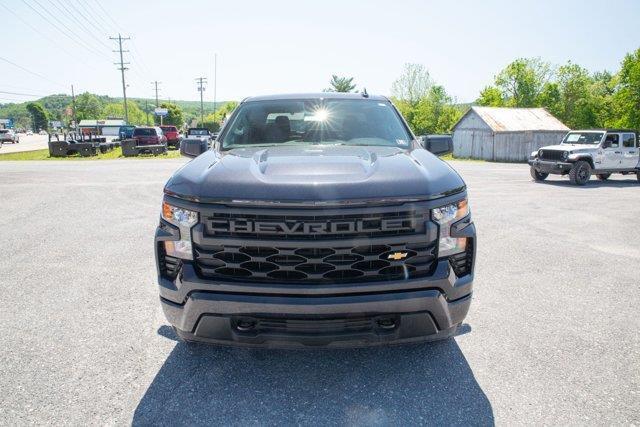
(304, 227)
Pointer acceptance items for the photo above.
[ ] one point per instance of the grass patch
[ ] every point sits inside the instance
(464, 159)
(109, 155)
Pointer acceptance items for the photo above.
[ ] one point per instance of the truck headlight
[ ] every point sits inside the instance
(179, 216)
(184, 219)
(445, 216)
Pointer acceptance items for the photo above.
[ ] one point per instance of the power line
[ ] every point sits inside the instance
(19, 94)
(122, 70)
(74, 37)
(31, 72)
(80, 23)
(35, 30)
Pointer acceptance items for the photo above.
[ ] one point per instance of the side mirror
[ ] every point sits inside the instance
(439, 145)
(193, 147)
(606, 144)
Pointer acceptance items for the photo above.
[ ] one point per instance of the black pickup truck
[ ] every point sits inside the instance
(315, 219)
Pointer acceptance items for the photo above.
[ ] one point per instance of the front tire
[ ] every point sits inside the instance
(603, 176)
(580, 173)
(538, 176)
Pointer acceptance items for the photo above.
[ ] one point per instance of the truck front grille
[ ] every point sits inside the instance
(553, 155)
(315, 246)
(318, 265)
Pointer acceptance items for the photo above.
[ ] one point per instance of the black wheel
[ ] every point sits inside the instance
(538, 176)
(603, 176)
(580, 173)
(638, 175)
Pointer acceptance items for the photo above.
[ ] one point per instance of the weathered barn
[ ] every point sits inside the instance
(505, 134)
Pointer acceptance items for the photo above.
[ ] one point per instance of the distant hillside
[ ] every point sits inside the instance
(57, 104)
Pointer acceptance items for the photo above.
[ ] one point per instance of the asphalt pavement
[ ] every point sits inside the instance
(27, 143)
(552, 336)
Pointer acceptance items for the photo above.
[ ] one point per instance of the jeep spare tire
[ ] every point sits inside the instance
(580, 173)
(603, 176)
(538, 176)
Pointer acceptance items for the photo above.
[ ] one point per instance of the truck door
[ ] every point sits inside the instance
(630, 151)
(612, 152)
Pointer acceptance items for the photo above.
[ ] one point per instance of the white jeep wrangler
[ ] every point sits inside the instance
(585, 152)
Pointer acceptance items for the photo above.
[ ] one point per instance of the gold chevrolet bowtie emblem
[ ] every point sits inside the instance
(397, 256)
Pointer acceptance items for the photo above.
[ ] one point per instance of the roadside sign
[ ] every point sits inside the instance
(161, 112)
(8, 123)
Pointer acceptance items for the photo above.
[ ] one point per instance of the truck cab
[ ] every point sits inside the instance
(581, 153)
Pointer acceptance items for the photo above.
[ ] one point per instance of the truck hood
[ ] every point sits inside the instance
(570, 147)
(314, 173)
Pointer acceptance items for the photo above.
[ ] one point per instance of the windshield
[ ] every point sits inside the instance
(583, 138)
(309, 122)
(144, 132)
(198, 132)
(168, 129)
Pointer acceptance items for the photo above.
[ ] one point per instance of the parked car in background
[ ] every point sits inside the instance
(7, 135)
(126, 132)
(198, 133)
(585, 152)
(172, 134)
(149, 136)
(42, 132)
(29, 132)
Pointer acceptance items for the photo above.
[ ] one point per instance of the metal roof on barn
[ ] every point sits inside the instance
(516, 119)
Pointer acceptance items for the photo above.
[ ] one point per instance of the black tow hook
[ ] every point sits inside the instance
(245, 325)
(387, 323)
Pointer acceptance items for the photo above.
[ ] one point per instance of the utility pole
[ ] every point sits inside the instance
(122, 69)
(146, 109)
(215, 79)
(73, 109)
(201, 82)
(157, 102)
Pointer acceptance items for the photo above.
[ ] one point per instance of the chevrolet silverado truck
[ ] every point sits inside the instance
(315, 220)
(585, 152)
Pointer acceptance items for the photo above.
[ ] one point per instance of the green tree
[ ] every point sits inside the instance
(116, 110)
(174, 115)
(221, 114)
(39, 116)
(412, 85)
(490, 96)
(88, 107)
(341, 84)
(522, 81)
(627, 98)
(551, 99)
(435, 113)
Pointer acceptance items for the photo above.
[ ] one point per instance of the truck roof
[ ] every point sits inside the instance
(605, 130)
(315, 95)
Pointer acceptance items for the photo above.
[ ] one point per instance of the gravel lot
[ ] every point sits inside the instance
(552, 336)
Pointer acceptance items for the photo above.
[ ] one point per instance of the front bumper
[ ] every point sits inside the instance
(337, 315)
(552, 167)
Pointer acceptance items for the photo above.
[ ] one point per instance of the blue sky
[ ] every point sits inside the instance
(295, 46)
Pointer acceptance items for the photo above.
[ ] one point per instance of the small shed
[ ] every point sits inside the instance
(505, 134)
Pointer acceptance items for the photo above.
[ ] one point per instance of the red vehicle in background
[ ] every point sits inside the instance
(149, 136)
(173, 137)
